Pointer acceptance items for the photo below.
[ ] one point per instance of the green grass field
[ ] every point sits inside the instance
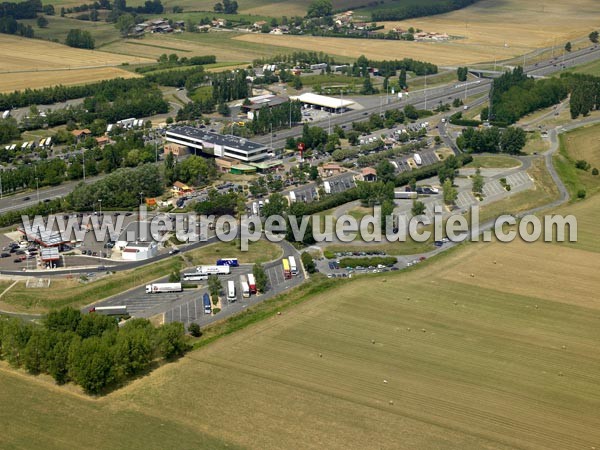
(493, 162)
(258, 252)
(580, 144)
(58, 28)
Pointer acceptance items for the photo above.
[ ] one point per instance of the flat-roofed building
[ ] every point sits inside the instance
(321, 101)
(218, 145)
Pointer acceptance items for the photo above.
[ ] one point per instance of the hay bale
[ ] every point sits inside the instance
(564, 347)
(372, 341)
(278, 313)
(320, 355)
(423, 330)
(384, 381)
(408, 329)
(391, 402)
(472, 275)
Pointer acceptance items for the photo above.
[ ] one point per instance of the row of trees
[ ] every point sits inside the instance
(585, 93)
(80, 39)
(516, 95)
(123, 188)
(8, 25)
(495, 140)
(89, 350)
(276, 117)
(419, 10)
(226, 7)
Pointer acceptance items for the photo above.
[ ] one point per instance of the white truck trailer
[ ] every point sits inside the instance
(160, 288)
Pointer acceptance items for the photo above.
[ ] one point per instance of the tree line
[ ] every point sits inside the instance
(416, 10)
(515, 95)
(585, 93)
(89, 350)
(494, 140)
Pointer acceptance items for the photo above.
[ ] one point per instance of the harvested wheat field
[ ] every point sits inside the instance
(36, 63)
(487, 30)
(17, 81)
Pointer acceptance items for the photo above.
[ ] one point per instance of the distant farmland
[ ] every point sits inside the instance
(37, 63)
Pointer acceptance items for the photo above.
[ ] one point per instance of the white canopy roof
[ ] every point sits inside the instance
(322, 100)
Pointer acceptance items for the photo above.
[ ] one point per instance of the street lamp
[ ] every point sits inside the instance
(100, 202)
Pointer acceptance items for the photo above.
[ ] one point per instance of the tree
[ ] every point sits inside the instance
(214, 285)
(90, 364)
(319, 8)
(194, 329)
(297, 83)
(277, 205)
(125, 23)
(568, 47)
(260, 276)
(171, 340)
(512, 140)
(462, 73)
(224, 110)
(385, 171)
(402, 79)
(80, 39)
(42, 22)
(218, 7)
(308, 262)
(368, 88)
(450, 193)
(594, 37)
(418, 208)
(477, 182)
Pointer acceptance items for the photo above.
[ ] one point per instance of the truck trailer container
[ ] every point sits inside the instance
(405, 195)
(233, 262)
(287, 273)
(252, 283)
(110, 310)
(158, 288)
(231, 295)
(245, 286)
(417, 159)
(214, 270)
(293, 266)
(206, 303)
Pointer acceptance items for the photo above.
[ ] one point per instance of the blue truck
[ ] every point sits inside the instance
(207, 305)
(233, 262)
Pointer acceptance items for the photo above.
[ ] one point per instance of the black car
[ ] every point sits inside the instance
(4, 255)
(17, 260)
(26, 198)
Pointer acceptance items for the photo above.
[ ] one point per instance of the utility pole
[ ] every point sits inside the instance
(271, 136)
(83, 155)
(100, 202)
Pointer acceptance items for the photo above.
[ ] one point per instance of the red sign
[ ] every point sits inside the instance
(301, 146)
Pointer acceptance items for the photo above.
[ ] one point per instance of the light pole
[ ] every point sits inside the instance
(425, 91)
(37, 184)
(271, 136)
(83, 156)
(100, 203)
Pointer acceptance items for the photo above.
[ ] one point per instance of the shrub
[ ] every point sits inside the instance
(194, 329)
(581, 193)
(594, 171)
(216, 310)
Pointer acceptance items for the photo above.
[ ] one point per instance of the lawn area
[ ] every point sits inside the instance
(535, 143)
(58, 28)
(72, 292)
(330, 80)
(493, 162)
(580, 144)
(592, 68)
(258, 252)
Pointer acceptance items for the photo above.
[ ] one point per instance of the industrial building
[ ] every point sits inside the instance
(262, 101)
(218, 145)
(335, 105)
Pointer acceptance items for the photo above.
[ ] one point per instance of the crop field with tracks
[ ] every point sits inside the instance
(459, 352)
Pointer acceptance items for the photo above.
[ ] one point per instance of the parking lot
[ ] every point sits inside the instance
(190, 308)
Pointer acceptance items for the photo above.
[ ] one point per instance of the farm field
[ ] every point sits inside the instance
(430, 358)
(58, 28)
(220, 44)
(487, 30)
(32, 63)
(22, 80)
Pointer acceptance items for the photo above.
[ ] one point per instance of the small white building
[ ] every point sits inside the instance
(139, 251)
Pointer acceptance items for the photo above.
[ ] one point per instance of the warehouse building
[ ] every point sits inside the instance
(218, 145)
(335, 105)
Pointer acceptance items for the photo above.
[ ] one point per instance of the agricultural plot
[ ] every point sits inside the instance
(483, 32)
(459, 353)
(31, 63)
(22, 80)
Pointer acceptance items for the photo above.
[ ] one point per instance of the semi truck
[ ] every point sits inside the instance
(252, 283)
(293, 266)
(233, 262)
(327, 187)
(120, 310)
(287, 273)
(214, 270)
(417, 159)
(292, 196)
(158, 288)
(405, 195)
(231, 295)
(6, 114)
(245, 286)
(206, 303)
